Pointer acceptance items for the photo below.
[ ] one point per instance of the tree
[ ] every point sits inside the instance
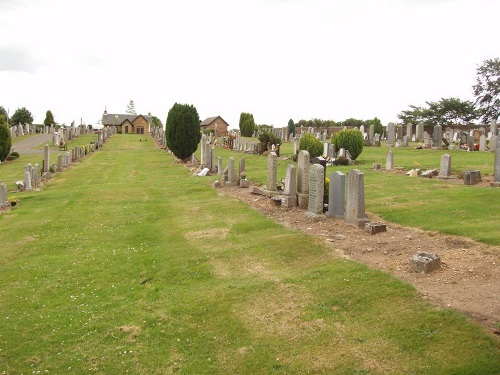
(49, 119)
(378, 128)
(291, 127)
(487, 89)
(5, 139)
(156, 122)
(352, 122)
(349, 139)
(131, 108)
(312, 144)
(4, 113)
(21, 116)
(446, 112)
(247, 124)
(182, 130)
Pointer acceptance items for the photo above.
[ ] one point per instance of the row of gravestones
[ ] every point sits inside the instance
(470, 177)
(33, 175)
(66, 133)
(304, 187)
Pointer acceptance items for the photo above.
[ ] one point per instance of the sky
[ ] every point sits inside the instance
(276, 59)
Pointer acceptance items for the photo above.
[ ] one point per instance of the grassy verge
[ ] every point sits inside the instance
(126, 263)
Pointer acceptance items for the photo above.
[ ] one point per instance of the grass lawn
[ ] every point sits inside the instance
(127, 263)
(430, 204)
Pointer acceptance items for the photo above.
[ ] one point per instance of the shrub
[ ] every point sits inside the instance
(267, 138)
(182, 130)
(310, 143)
(5, 139)
(351, 140)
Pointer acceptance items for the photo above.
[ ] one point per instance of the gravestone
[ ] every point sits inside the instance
(316, 190)
(290, 200)
(59, 162)
(409, 131)
(482, 143)
(232, 179)
(303, 162)
(3, 196)
(424, 262)
(272, 170)
(427, 142)
(405, 141)
(355, 207)
(27, 181)
(331, 151)
(420, 132)
(377, 140)
(493, 127)
(493, 142)
(437, 137)
(241, 167)
(445, 166)
(496, 180)
(336, 195)
(371, 134)
(390, 134)
(46, 158)
(389, 161)
(470, 142)
(472, 177)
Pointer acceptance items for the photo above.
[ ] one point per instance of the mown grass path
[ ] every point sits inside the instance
(126, 263)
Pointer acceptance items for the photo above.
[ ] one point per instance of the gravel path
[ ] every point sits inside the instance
(25, 146)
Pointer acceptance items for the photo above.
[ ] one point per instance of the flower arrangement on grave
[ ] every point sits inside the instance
(281, 185)
(243, 175)
(13, 201)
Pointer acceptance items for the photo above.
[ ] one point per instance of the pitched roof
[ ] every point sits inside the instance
(118, 119)
(209, 120)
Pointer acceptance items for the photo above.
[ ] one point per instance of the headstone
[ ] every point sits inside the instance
(496, 180)
(316, 189)
(59, 162)
(427, 142)
(371, 134)
(437, 137)
(46, 159)
(231, 172)
(377, 140)
(493, 127)
(470, 142)
(355, 207)
(424, 262)
(472, 177)
(336, 195)
(493, 142)
(272, 170)
(3, 195)
(303, 162)
(445, 166)
(290, 187)
(219, 166)
(482, 143)
(389, 161)
(409, 131)
(390, 134)
(241, 168)
(405, 141)
(27, 181)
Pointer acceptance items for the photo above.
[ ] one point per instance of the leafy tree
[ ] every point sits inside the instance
(4, 113)
(5, 139)
(21, 116)
(349, 139)
(377, 125)
(487, 89)
(352, 122)
(446, 112)
(49, 119)
(312, 144)
(156, 122)
(131, 108)
(247, 124)
(182, 130)
(291, 127)
(267, 137)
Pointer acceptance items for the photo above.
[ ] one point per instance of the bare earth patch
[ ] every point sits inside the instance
(469, 277)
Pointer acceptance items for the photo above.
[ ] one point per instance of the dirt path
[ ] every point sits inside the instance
(469, 278)
(25, 146)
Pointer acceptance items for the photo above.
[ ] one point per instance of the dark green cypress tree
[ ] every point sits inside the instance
(182, 130)
(5, 139)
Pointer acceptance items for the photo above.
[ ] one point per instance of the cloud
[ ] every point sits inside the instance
(18, 59)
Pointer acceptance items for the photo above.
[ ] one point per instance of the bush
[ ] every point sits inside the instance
(5, 139)
(267, 138)
(310, 143)
(182, 130)
(351, 140)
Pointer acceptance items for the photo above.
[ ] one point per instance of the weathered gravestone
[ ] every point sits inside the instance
(290, 191)
(316, 191)
(336, 195)
(437, 137)
(472, 177)
(389, 161)
(355, 207)
(424, 262)
(303, 163)
(390, 134)
(445, 166)
(272, 171)
(3, 196)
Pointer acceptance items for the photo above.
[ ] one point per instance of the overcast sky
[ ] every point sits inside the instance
(276, 59)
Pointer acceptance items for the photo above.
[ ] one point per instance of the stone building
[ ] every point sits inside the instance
(127, 124)
(216, 123)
